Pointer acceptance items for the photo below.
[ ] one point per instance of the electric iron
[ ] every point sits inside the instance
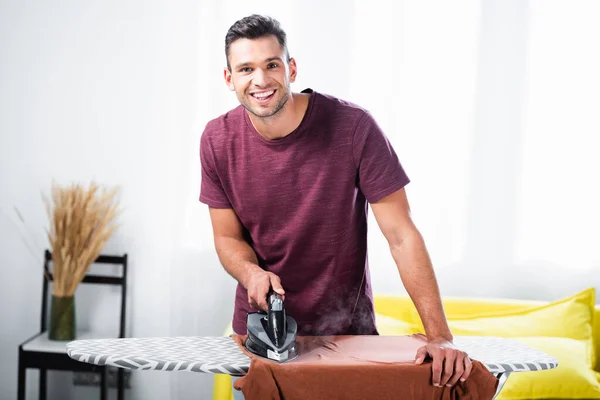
(272, 335)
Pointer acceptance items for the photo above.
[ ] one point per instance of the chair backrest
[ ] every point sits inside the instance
(90, 278)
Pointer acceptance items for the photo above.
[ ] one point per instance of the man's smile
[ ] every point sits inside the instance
(263, 97)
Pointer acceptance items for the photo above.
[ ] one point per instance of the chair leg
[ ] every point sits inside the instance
(43, 391)
(103, 383)
(21, 382)
(121, 384)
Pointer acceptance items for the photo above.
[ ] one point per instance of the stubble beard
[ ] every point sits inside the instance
(268, 113)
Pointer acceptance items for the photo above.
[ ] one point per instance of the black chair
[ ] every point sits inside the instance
(40, 353)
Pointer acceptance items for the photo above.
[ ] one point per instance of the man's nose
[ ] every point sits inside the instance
(260, 77)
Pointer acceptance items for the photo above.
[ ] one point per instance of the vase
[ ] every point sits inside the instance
(62, 318)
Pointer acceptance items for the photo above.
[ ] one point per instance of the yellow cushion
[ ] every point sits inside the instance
(397, 307)
(574, 313)
(562, 328)
(571, 318)
(456, 307)
(570, 380)
(393, 327)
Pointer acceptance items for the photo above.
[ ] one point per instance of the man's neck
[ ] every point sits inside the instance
(285, 121)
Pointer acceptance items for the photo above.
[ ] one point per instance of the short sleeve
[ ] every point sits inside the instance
(211, 188)
(380, 172)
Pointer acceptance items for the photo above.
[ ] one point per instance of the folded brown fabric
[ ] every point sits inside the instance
(356, 368)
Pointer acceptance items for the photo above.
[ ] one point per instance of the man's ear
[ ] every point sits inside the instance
(293, 69)
(228, 80)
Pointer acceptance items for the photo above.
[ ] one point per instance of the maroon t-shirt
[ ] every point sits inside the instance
(303, 202)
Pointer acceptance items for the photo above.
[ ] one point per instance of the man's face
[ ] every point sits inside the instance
(259, 75)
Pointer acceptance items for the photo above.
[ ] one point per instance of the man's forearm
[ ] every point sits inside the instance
(237, 257)
(418, 277)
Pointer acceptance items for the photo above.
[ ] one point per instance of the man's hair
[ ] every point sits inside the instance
(254, 27)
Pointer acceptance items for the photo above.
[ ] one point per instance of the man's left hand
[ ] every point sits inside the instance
(449, 364)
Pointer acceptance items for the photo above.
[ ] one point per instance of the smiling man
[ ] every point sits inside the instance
(288, 178)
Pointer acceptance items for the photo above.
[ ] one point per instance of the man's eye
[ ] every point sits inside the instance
(247, 69)
(272, 65)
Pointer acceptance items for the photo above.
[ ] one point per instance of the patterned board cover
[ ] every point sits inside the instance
(221, 355)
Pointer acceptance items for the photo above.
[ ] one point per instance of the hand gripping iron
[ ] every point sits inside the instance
(272, 335)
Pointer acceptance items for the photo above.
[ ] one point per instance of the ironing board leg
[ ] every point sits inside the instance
(42, 384)
(502, 377)
(21, 383)
(103, 383)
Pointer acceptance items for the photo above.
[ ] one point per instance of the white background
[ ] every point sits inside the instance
(492, 107)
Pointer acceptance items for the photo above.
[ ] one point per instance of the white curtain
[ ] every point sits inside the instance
(492, 107)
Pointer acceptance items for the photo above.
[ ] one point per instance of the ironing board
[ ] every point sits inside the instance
(222, 355)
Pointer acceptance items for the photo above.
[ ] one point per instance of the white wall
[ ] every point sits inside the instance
(94, 90)
(489, 105)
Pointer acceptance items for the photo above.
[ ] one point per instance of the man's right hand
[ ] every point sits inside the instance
(259, 285)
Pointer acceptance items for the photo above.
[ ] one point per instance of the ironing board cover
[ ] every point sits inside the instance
(222, 355)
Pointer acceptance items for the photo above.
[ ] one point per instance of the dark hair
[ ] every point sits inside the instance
(254, 27)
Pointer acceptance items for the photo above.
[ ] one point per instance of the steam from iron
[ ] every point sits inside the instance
(342, 314)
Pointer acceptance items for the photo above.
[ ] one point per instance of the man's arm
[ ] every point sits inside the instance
(412, 259)
(236, 255)
(414, 265)
(239, 259)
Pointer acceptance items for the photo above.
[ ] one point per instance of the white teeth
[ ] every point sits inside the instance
(263, 95)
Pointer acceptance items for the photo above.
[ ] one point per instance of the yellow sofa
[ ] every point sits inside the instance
(568, 329)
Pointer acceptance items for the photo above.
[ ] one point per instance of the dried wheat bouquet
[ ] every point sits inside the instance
(81, 222)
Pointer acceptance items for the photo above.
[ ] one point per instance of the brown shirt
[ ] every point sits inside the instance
(356, 368)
